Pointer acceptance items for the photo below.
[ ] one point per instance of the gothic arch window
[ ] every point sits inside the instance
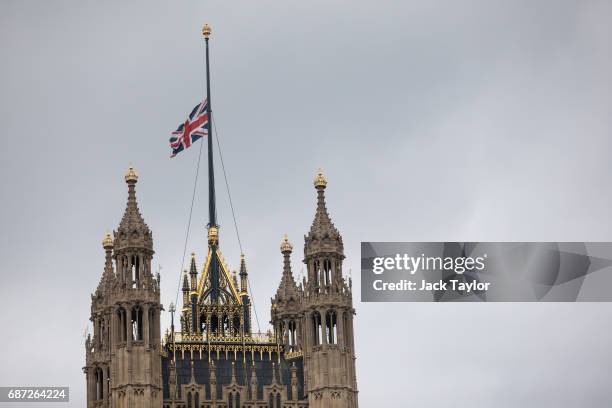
(136, 321)
(135, 271)
(99, 379)
(278, 400)
(317, 329)
(327, 272)
(196, 400)
(189, 400)
(292, 334)
(122, 332)
(331, 322)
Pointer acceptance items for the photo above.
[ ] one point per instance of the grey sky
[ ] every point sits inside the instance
(433, 120)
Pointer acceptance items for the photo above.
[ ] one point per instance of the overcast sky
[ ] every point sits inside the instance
(433, 120)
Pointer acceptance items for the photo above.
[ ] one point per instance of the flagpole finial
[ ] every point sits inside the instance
(206, 31)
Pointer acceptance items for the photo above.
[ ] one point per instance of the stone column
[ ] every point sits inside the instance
(340, 328)
(145, 325)
(128, 326)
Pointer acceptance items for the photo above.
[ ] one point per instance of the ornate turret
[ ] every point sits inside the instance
(287, 290)
(108, 276)
(328, 312)
(123, 366)
(133, 249)
(286, 304)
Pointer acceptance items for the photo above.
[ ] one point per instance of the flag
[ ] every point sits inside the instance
(191, 130)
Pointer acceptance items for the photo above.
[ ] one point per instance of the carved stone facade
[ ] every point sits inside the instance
(215, 359)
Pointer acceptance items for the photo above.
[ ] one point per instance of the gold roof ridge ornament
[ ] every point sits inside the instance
(320, 181)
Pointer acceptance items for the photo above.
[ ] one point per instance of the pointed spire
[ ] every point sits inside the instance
(185, 282)
(287, 288)
(323, 235)
(193, 272)
(133, 231)
(243, 274)
(108, 276)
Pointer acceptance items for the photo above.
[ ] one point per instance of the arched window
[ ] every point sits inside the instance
(99, 378)
(134, 271)
(317, 329)
(189, 400)
(327, 272)
(136, 316)
(230, 401)
(278, 401)
(196, 400)
(331, 323)
(122, 328)
(292, 334)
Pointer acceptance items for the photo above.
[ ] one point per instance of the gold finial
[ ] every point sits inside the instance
(131, 175)
(286, 245)
(213, 234)
(320, 180)
(107, 242)
(206, 30)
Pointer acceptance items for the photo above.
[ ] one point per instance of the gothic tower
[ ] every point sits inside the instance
(327, 310)
(123, 360)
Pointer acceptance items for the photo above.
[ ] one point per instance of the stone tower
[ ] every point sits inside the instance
(327, 315)
(123, 360)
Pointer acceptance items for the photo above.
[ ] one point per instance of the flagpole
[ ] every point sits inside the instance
(212, 216)
(213, 237)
